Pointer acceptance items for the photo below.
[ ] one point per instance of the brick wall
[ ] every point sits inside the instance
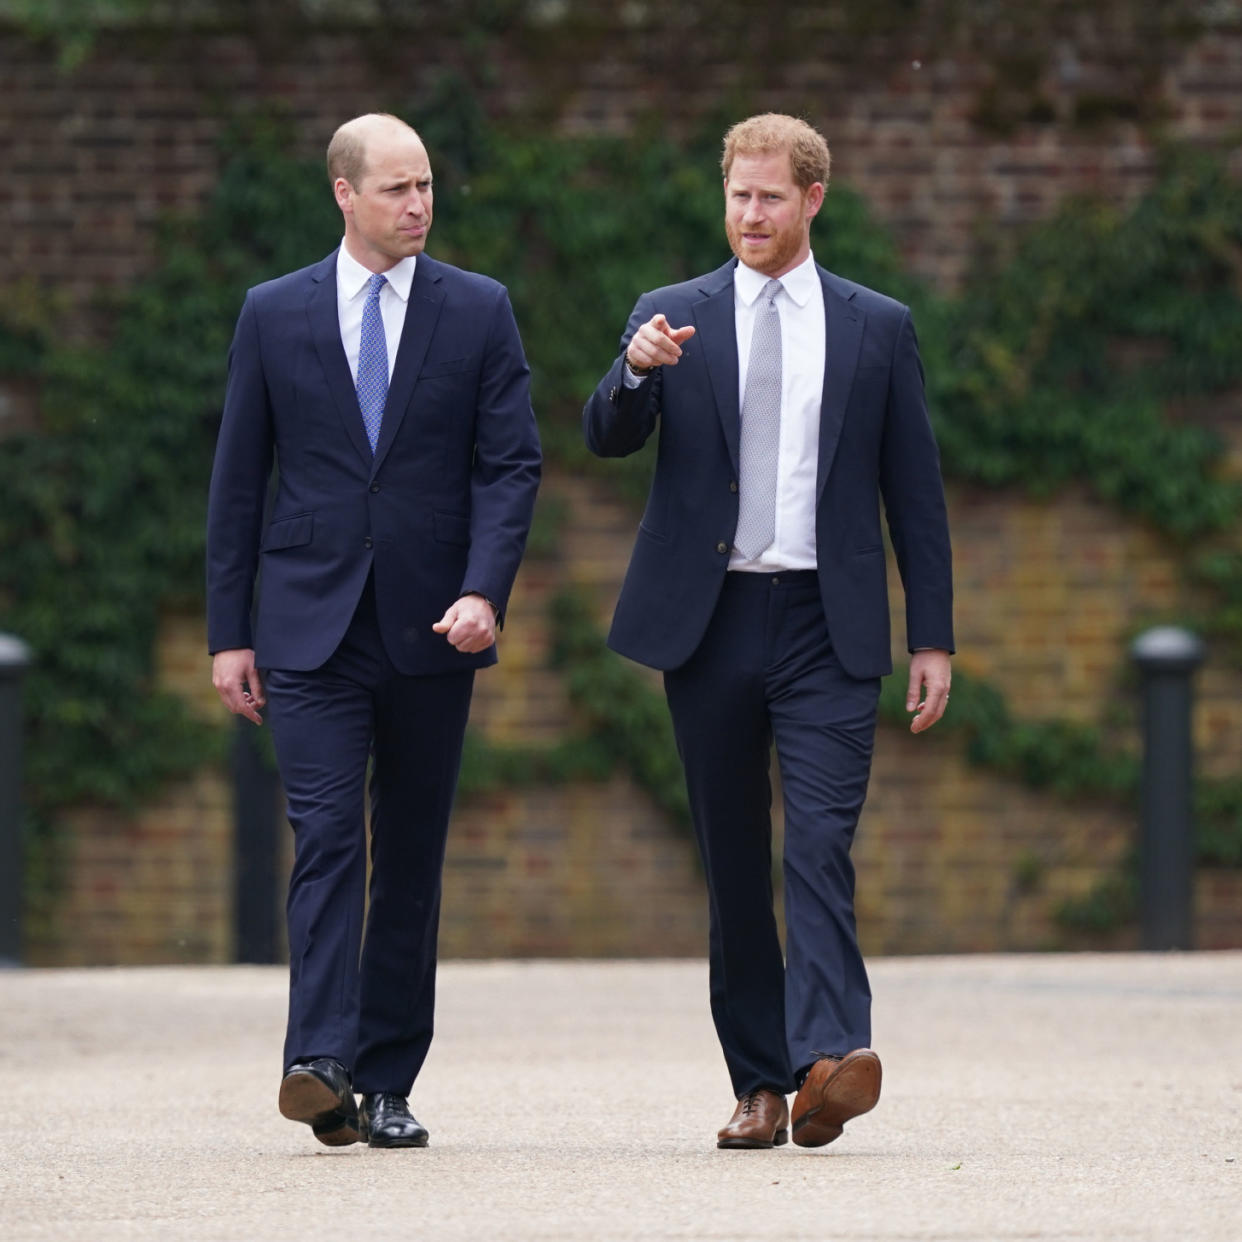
(949, 857)
(952, 857)
(953, 151)
(947, 123)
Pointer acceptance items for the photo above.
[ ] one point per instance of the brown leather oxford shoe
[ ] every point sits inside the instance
(761, 1119)
(836, 1089)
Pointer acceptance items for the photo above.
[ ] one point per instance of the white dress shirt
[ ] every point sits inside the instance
(801, 306)
(351, 297)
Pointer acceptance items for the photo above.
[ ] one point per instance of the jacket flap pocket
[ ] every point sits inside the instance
(290, 532)
(452, 528)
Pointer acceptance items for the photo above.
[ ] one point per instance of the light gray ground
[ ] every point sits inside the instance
(1060, 1097)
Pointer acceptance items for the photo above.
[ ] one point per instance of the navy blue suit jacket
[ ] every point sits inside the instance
(875, 442)
(441, 509)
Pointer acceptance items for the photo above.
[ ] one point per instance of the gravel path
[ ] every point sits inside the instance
(1059, 1097)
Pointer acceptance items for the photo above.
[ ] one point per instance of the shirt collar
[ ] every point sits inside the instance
(799, 283)
(352, 277)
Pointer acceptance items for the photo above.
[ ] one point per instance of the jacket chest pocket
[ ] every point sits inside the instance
(445, 366)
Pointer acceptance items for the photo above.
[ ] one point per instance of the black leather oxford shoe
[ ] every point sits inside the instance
(319, 1093)
(385, 1121)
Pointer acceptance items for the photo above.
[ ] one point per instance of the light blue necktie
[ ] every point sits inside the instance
(372, 383)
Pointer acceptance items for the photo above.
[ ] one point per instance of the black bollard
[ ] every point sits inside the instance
(14, 657)
(256, 846)
(1167, 658)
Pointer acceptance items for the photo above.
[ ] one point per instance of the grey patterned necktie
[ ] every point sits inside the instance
(761, 430)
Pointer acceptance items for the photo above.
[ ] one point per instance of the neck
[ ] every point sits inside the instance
(372, 260)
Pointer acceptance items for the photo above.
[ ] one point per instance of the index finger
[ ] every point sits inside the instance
(240, 703)
(930, 710)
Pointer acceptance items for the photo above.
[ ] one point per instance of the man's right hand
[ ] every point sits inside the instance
(238, 683)
(655, 344)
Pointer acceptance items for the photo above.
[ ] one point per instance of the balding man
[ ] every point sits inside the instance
(392, 394)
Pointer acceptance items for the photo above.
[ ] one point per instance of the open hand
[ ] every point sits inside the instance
(238, 683)
(928, 670)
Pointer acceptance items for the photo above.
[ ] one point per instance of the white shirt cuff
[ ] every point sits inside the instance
(629, 379)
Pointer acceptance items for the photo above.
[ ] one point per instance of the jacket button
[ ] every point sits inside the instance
(613, 393)
(733, 486)
(722, 547)
(375, 487)
(367, 542)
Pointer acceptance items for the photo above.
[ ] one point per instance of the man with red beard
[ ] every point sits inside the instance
(789, 403)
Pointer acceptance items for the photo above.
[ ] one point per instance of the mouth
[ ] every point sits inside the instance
(755, 239)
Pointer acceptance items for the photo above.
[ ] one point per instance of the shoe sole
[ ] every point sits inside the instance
(779, 1139)
(420, 1141)
(305, 1097)
(849, 1089)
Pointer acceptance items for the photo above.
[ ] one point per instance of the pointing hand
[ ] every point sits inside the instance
(656, 344)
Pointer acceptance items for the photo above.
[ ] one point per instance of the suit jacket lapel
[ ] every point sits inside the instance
(843, 323)
(716, 335)
(421, 314)
(325, 326)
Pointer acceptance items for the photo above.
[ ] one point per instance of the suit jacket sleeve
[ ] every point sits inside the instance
(239, 479)
(617, 420)
(507, 462)
(914, 500)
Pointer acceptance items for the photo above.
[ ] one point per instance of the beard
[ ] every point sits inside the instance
(778, 254)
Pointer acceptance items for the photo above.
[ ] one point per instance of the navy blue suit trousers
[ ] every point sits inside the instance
(765, 672)
(370, 1010)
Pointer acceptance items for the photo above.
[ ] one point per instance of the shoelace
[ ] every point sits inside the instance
(749, 1100)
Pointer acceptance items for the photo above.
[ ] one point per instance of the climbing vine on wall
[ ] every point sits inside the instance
(1061, 365)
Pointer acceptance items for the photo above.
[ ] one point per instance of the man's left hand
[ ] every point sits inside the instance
(929, 670)
(469, 624)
